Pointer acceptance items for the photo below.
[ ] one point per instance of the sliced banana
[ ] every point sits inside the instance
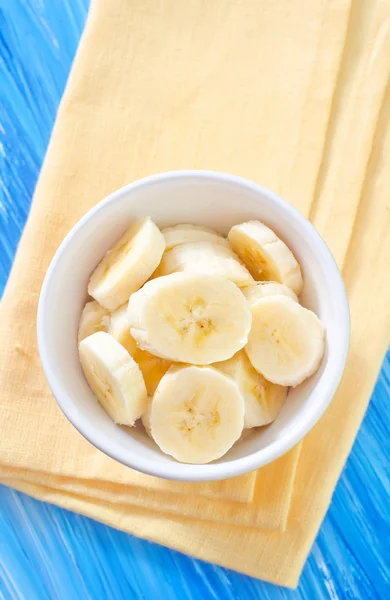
(127, 266)
(152, 368)
(181, 234)
(261, 289)
(204, 258)
(119, 328)
(197, 414)
(146, 417)
(114, 377)
(93, 318)
(265, 255)
(197, 319)
(263, 399)
(286, 342)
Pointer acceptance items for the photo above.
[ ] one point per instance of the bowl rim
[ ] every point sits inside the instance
(212, 471)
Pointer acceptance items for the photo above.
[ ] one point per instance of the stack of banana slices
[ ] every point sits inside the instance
(197, 335)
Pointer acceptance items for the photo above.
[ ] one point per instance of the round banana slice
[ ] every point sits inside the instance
(146, 417)
(286, 342)
(152, 368)
(265, 255)
(204, 258)
(263, 399)
(197, 319)
(93, 318)
(119, 328)
(114, 377)
(261, 289)
(127, 266)
(197, 414)
(181, 234)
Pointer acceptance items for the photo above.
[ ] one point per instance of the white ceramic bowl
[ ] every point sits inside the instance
(219, 201)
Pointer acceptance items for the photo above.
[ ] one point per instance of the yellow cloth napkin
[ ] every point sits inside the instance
(268, 510)
(293, 95)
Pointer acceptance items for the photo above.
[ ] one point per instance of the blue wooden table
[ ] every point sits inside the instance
(48, 553)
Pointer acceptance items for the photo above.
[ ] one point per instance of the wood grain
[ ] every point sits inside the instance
(48, 553)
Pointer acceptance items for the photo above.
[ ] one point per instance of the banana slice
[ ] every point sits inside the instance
(152, 368)
(286, 342)
(197, 319)
(146, 417)
(119, 328)
(127, 266)
(93, 318)
(181, 234)
(265, 255)
(263, 400)
(114, 377)
(261, 289)
(204, 258)
(197, 414)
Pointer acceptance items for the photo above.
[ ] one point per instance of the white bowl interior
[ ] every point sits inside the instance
(217, 201)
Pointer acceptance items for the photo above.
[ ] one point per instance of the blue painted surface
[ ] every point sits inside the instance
(49, 553)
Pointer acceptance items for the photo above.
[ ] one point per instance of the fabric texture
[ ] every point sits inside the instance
(292, 95)
(268, 508)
